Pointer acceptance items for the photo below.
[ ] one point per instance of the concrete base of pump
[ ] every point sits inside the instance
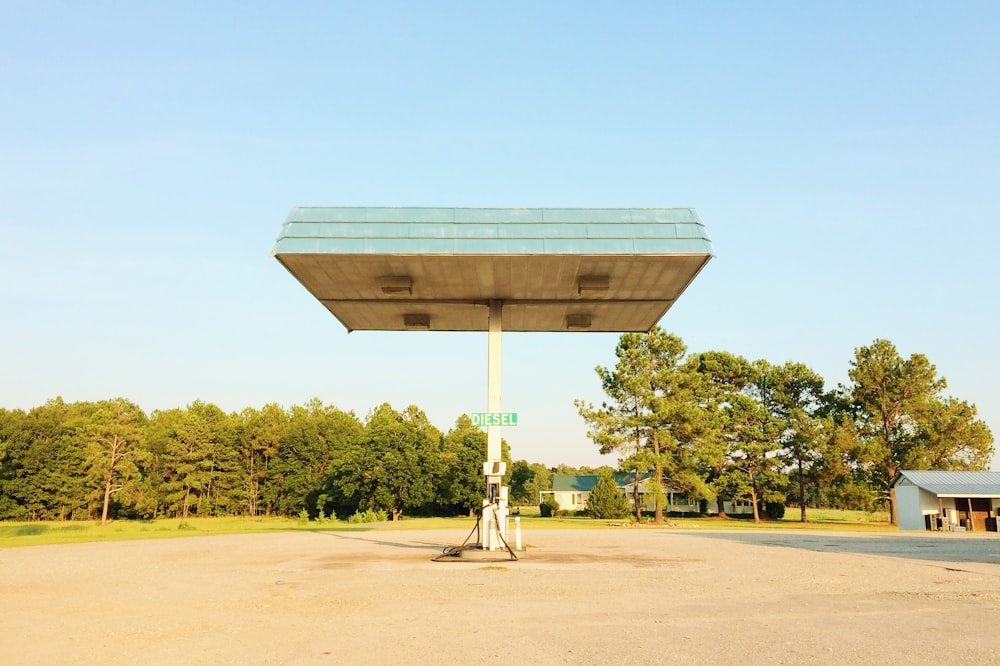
(474, 552)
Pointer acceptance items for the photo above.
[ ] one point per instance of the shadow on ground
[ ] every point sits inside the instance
(417, 545)
(943, 548)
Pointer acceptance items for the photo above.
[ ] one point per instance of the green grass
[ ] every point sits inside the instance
(828, 526)
(838, 516)
(17, 534)
(14, 534)
(818, 519)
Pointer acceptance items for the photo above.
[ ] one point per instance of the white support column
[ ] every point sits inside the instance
(495, 507)
(494, 358)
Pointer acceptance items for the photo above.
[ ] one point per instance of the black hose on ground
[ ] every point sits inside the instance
(454, 553)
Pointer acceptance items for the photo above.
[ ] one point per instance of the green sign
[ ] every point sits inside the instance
(485, 419)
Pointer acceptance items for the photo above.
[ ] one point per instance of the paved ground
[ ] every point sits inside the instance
(626, 596)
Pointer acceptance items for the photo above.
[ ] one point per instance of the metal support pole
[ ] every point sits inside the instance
(495, 507)
(494, 358)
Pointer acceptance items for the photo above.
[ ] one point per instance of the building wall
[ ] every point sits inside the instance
(929, 502)
(568, 500)
(909, 509)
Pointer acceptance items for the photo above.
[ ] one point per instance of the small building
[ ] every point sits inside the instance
(571, 491)
(937, 500)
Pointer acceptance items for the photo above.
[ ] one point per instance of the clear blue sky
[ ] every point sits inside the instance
(845, 158)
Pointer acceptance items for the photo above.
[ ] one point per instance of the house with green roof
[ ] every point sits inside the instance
(571, 491)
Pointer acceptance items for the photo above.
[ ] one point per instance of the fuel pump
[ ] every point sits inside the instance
(495, 506)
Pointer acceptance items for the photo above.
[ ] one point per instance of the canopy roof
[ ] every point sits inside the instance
(554, 269)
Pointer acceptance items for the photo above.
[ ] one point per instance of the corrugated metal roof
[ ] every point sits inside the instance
(487, 231)
(953, 484)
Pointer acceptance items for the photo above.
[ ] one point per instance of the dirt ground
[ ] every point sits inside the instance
(625, 596)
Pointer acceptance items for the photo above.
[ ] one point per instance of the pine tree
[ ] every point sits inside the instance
(606, 500)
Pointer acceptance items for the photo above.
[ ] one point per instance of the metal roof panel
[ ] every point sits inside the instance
(947, 483)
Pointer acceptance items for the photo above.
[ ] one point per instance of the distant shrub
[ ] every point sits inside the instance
(774, 510)
(323, 518)
(369, 516)
(303, 517)
(549, 506)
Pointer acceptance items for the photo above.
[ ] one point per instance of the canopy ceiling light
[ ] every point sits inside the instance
(396, 284)
(418, 322)
(593, 285)
(578, 322)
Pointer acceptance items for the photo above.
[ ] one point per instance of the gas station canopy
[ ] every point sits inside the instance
(553, 269)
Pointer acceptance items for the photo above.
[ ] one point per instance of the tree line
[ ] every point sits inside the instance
(108, 459)
(713, 425)
(718, 426)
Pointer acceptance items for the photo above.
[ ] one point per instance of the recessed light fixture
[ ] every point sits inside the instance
(418, 322)
(396, 284)
(592, 285)
(578, 322)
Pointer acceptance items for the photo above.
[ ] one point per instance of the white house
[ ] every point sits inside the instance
(571, 492)
(935, 500)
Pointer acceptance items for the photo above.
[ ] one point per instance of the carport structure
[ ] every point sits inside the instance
(947, 500)
(494, 269)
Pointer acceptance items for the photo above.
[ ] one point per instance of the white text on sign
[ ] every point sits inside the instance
(486, 419)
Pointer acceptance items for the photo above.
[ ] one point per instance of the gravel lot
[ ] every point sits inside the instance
(622, 596)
